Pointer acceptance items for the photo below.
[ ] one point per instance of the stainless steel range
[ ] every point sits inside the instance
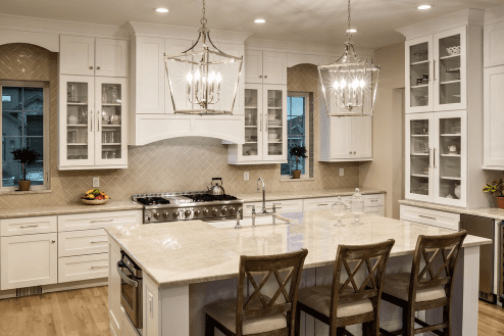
(171, 207)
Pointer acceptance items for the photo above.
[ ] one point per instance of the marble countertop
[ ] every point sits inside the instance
(275, 196)
(68, 209)
(494, 213)
(181, 253)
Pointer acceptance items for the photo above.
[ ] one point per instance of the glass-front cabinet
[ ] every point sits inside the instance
(265, 131)
(436, 157)
(435, 72)
(92, 121)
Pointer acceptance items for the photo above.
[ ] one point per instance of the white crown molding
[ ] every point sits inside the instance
(303, 48)
(494, 15)
(49, 26)
(473, 17)
(145, 29)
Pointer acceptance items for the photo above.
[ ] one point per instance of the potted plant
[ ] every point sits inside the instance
(496, 187)
(298, 152)
(26, 156)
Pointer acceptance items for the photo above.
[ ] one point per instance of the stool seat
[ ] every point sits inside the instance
(398, 285)
(319, 298)
(224, 312)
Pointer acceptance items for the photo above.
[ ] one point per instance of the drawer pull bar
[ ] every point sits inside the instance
(427, 217)
(99, 241)
(28, 226)
(97, 267)
(322, 204)
(373, 200)
(102, 220)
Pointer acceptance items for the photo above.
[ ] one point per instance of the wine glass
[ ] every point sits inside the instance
(339, 209)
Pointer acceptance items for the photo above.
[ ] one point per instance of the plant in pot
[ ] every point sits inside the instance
(26, 156)
(298, 152)
(496, 188)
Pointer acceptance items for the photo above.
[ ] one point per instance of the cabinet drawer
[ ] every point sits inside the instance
(98, 220)
(377, 210)
(78, 268)
(281, 206)
(441, 219)
(374, 200)
(323, 203)
(28, 225)
(82, 242)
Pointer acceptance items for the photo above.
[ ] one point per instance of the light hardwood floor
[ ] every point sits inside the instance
(84, 313)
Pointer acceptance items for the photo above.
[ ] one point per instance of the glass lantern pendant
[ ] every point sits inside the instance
(349, 85)
(205, 81)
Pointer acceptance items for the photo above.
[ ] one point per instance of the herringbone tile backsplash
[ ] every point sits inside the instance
(169, 165)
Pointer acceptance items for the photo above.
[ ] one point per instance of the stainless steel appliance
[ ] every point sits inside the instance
(501, 262)
(483, 227)
(171, 207)
(131, 289)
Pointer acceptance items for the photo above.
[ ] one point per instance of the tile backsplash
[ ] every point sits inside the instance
(169, 165)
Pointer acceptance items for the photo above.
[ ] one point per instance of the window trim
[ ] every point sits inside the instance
(45, 134)
(306, 96)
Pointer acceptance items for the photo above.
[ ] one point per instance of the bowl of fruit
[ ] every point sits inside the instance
(95, 197)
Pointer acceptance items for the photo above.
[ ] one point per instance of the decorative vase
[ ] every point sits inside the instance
(24, 185)
(457, 191)
(296, 174)
(500, 201)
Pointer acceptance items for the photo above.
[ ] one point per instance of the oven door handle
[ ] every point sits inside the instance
(123, 276)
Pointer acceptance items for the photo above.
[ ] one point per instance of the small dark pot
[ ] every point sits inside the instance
(500, 201)
(296, 174)
(24, 185)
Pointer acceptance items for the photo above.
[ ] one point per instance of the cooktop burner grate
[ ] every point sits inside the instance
(210, 198)
(152, 200)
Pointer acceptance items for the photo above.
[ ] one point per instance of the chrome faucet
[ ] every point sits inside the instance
(263, 210)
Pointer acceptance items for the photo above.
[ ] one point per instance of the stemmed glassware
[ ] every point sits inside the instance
(357, 206)
(339, 209)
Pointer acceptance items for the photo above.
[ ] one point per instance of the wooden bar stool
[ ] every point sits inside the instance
(426, 288)
(340, 305)
(258, 314)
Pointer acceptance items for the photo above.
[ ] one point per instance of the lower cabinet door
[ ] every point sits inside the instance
(127, 327)
(27, 261)
(114, 290)
(84, 267)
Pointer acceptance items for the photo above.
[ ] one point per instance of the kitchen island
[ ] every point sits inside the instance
(187, 265)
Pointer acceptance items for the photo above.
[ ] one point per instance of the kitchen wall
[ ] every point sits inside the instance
(169, 165)
(386, 169)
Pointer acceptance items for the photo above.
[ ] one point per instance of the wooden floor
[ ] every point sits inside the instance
(84, 313)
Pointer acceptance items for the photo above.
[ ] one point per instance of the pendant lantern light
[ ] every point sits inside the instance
(204, 81)
(349, 85)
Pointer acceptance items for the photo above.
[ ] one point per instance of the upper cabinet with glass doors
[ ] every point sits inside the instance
(436, 72)
(92, 123)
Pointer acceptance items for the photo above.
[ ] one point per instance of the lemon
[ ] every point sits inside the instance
(91, 196)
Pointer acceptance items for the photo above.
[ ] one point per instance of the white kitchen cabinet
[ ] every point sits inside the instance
(93, 123)
(493, 148)
(28, 225)
(265, 67)
(436, 72)
(494, 44)
(76, 243)
(98, 220)
(265, 127)
(30, 260)
(345, 139)
(281, 206)
(88, 56)
(440, 219)
(436, 157)
(114, 290)
(83, 267)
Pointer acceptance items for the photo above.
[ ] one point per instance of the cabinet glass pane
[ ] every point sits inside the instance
(449, 70)
(449, 158)
(251, 123)
(275, 126)
(111, 102)
(77, 121)
(419, 74)
(419, 157)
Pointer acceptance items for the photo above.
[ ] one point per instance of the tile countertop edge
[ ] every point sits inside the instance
(68, 209)
(493, 213)
(319, 193)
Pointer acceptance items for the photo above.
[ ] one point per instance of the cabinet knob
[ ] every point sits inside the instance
(53, 241)
(90, 67)
(97, 68)
(350, 153)
(355, 152)
(260, 76)
(266, 76)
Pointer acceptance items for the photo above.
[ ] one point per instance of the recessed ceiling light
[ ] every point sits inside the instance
(260, 21)
(351, 30)
(162, 10)
(424, 7)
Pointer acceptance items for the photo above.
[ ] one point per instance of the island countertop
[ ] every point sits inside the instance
(302, 194)
(182, 253)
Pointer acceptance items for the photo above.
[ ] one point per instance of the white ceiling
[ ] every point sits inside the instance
(308, 21)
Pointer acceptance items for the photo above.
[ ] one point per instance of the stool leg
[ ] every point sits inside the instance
(209, 327)
(447, 319)
(297, 322)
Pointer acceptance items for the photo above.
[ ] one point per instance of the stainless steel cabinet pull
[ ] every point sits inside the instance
(266, 76)
(91, 115)
(98, 121)
(355, 152)
(90, 67)
(427, 217)
(373, 200)
(434, 157)
(100, 266)
(29, 226)
(53, 241)
(260, 76)
(261, 124)
(97, 68)
(249, 205)
(434, 69)
(99, 241)
(277, 203)
(102, 220)
(350, 153)
(322, 204)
